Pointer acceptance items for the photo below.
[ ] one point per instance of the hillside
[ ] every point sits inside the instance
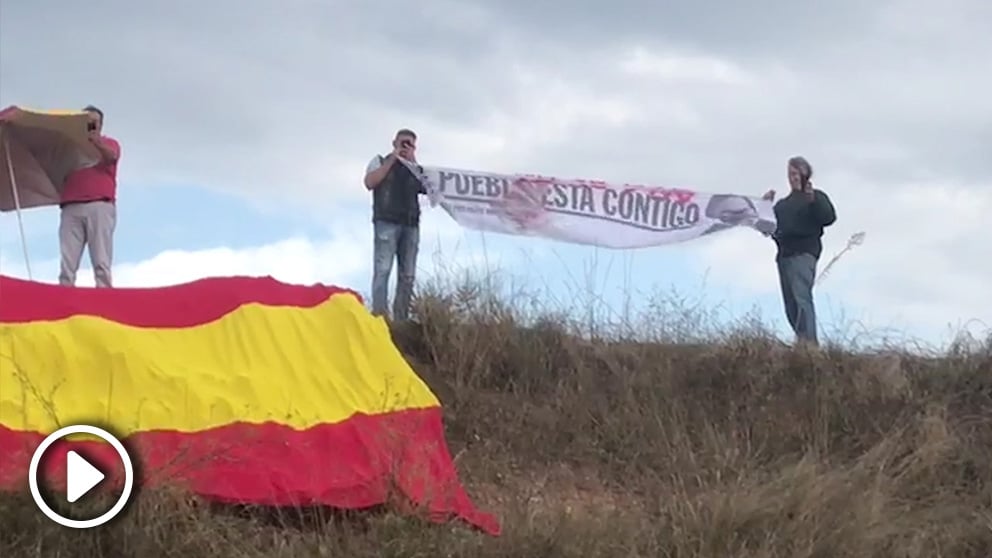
(595, 447)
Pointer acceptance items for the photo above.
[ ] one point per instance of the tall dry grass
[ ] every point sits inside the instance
(651, 439)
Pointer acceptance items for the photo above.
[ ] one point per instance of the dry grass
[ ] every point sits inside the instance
(596, 445)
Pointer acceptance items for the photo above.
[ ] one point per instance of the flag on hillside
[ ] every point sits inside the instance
(243, 390)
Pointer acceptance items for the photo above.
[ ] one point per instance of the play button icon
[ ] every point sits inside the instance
(81, 476)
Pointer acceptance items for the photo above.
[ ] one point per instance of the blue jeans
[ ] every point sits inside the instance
(796, 276)
(400, 242)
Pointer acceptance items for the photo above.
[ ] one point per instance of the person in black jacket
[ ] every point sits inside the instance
(801, 218)
(396, 223)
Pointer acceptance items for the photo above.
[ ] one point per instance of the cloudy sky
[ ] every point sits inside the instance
(246, 125)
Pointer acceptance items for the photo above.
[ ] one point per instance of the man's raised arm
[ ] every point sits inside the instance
(377, 170)
(110, 150)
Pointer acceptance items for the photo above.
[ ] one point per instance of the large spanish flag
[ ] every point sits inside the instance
(242, 390)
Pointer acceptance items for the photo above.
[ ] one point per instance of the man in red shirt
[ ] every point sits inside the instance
(89, 213)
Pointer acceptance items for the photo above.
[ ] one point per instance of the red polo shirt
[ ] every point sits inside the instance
(94, 183)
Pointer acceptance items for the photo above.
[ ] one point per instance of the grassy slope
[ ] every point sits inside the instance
(614, 448)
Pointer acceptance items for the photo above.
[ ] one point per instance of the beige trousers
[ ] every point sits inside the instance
(87, 224)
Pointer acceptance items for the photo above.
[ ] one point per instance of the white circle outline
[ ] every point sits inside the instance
(105, 436)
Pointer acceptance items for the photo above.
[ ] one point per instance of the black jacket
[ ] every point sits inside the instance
(800, 223)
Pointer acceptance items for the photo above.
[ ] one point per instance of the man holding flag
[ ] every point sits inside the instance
(89, 211)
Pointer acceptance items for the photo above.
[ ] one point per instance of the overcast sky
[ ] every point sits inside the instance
(246, 126)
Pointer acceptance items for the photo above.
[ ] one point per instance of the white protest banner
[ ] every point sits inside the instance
(589, 211)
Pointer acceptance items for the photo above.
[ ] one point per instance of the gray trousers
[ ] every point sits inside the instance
(402, 243)
(796, 275)
(87, 224)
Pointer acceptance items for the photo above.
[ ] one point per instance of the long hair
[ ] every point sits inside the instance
(804, 168)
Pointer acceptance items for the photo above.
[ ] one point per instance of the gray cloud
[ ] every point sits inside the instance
(725, 27)
(285, 103)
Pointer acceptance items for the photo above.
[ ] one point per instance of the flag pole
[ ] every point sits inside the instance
(5, 138)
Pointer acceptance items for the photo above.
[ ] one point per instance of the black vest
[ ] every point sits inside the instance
(395, 199)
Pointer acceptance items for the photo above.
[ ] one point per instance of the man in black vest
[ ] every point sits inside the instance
(396, 222)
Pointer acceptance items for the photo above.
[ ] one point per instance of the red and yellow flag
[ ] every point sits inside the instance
(242, 390)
